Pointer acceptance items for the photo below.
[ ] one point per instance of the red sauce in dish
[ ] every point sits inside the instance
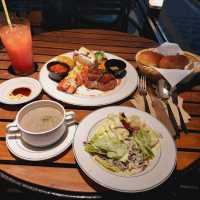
(22, 90)
(57, 68)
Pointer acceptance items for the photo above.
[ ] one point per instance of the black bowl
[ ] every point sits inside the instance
(120, 74)
(57, 76)
(116, 67)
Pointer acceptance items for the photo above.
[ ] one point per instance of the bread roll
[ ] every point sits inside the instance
(173, 62)
(149, 58)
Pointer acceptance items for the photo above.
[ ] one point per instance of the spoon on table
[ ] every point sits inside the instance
(163, 91)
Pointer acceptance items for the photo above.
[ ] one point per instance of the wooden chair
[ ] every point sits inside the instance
(107, 14)
(58, 14)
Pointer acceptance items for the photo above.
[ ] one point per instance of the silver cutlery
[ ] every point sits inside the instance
(175, 101)
(164, 94)
(142, 88)
(161, 114)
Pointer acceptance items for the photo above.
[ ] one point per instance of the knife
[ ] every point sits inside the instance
(162, 115)
(175, 101)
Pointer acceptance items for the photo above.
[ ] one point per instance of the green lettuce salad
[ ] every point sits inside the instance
(122, 144)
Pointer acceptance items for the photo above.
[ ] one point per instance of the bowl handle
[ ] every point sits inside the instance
(69, 117)
(12, 127)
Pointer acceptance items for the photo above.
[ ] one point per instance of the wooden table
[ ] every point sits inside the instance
(62, 175)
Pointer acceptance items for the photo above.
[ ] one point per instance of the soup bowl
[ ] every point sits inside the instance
(46, 137)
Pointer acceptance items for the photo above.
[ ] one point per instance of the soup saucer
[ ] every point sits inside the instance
(26, 152)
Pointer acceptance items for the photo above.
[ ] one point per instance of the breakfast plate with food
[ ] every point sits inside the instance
(88, 78)
(124, 149)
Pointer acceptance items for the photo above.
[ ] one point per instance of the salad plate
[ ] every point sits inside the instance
(103, 152)
(92, 97)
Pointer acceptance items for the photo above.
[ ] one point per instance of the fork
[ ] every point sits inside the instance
(142, 88)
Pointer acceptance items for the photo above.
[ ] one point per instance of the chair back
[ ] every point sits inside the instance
(112, 14)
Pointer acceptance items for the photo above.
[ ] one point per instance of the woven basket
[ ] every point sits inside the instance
(152, 73)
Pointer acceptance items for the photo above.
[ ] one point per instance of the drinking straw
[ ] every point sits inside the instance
(6, 13)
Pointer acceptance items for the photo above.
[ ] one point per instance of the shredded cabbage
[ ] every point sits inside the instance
(122, 144)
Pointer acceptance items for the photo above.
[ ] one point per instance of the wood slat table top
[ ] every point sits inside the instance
(63, 173)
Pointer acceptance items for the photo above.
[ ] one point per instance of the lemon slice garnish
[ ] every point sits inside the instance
(67, 60)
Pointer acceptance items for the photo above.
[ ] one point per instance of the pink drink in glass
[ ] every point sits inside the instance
(18, 43)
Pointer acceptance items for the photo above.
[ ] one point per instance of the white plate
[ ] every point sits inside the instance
(123, 90)
(27, 152)
(155, 174)
(8, 86)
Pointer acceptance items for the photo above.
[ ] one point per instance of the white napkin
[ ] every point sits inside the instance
(173, 76)
(138, 102)
(156, 3)
(168, 48)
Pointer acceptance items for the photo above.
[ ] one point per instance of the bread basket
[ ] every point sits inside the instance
(152, 73)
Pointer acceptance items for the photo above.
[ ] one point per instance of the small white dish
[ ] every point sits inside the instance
(26, 152)
(8, 86)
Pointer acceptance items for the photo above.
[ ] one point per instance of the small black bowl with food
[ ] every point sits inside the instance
(116, 67)
(57, 70)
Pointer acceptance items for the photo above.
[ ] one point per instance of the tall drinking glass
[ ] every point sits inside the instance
(18, 43)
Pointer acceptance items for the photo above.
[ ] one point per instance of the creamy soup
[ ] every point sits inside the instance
(41, 119)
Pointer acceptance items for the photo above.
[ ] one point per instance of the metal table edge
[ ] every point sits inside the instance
(47, 190)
